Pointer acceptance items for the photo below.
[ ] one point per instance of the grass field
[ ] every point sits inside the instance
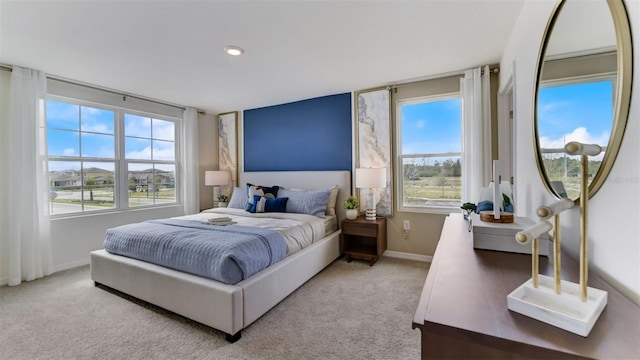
(571, 185)
(103, 197)
(432, 188)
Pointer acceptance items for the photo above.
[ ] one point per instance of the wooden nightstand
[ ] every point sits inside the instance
(364, 239)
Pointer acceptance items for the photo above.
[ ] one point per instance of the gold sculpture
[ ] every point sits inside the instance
(578, 308)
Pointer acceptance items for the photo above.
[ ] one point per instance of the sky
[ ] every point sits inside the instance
(432, 127)
(574, 112)
(72, 127)
(565, 116)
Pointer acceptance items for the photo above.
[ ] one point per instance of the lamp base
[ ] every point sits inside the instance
(370, 214)
(216, 193)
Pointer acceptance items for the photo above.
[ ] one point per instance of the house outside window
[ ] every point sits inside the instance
(105, 158)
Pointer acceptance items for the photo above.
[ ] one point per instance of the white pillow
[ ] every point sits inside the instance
(333, 198)
(238, 198)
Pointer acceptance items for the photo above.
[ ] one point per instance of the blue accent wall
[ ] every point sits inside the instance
(313, 134)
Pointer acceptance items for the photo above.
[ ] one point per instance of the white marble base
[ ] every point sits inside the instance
(565, 311)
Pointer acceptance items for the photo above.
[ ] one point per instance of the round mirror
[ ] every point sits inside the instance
(583, 92)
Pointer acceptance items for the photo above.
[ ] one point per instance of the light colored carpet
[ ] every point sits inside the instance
(348, 311)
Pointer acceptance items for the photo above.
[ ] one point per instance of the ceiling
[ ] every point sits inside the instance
(173, 50)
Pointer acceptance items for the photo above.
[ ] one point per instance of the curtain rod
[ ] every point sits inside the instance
(494, 70)
(124, 95)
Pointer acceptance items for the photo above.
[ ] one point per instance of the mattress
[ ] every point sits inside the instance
(228, 254)
(228, 245)
(299, 230)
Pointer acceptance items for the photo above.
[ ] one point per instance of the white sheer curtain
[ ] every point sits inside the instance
(476, 136)
(24, 219)
(190, 181)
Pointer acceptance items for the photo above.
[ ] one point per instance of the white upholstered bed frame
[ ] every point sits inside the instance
(229, 308)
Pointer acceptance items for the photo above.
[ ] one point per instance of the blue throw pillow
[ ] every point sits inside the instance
(266, 191)
(312, 202)
(263, 204)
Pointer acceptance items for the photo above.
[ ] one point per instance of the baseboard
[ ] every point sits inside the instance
(408, 256)
(71, 265)
(5, 280)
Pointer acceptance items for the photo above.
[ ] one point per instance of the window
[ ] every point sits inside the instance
(105, 158)
(574, 110)
(150, 154)
(430, 152)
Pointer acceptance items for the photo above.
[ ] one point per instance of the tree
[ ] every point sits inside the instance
(90, 183)
(457, 168)
(441, 180)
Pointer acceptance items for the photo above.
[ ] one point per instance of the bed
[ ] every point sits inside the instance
(229, 307)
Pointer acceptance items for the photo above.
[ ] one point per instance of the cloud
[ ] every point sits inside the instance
(62, 112)
(164, 154)
(580, 134)
(163, 130)
(69, 152)
(137, 126)
(96, 128)
(159, 153)
(140, 154)
(420, 124)
(106, 152)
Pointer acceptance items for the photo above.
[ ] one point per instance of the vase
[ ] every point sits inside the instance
(222, 204)
(352, 214)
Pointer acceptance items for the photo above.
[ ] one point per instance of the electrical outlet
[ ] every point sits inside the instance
(407, 225)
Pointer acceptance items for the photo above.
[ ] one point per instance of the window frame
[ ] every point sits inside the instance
(401, 156)
(121, 185)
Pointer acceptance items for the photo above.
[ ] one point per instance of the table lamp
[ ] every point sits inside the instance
(217, 178)
(369, 178)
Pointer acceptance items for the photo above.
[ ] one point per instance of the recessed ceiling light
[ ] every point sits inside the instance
(234, 50)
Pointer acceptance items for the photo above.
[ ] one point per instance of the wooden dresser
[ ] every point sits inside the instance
(463, 311)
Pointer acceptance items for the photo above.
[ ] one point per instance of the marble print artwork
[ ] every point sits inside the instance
(227, 144)
(374, 141)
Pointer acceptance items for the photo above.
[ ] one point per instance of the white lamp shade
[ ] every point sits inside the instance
(217, 178)
(371, 178)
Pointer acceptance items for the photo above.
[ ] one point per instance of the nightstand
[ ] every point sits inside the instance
(364, 239)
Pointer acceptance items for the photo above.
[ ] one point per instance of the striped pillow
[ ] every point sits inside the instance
(312, 202)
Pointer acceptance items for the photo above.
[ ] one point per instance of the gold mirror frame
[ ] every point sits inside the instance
(622, 99)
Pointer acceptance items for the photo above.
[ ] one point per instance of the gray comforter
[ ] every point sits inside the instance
(228, 254)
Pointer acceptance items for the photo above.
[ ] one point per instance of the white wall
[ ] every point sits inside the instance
(614, 212)
(73, 238)
(5, 77)
(207, 156)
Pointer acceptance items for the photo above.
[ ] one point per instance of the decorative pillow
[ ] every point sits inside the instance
(333, 198)
(312, 202)
(263, 204)
(266, 191)
(239, 198)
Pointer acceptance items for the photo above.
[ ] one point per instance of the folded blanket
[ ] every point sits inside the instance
(221, 221)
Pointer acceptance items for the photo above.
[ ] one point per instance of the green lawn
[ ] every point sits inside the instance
(433, 188)
(104, 197)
